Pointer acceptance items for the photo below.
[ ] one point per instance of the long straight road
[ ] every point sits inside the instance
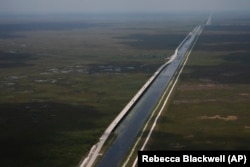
(130, 127)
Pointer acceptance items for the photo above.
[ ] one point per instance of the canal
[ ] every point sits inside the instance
(130, 127)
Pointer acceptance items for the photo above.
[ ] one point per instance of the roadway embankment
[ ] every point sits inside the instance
(95, 150)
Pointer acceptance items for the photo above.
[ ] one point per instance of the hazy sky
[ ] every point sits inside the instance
(83, 6)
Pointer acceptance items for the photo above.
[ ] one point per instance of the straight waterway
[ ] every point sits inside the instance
(130, 127)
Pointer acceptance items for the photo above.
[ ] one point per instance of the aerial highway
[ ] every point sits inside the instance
(160, 107)
(134, 115)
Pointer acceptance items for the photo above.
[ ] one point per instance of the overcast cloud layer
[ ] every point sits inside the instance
(84, 6)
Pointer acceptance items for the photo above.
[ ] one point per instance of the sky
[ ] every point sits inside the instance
(110, 6)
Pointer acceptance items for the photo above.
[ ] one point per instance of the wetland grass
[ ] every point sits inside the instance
(61, 84)
(210, 107)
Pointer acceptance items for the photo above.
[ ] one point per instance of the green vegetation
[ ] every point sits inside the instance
(63, 82)
(210, 107)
